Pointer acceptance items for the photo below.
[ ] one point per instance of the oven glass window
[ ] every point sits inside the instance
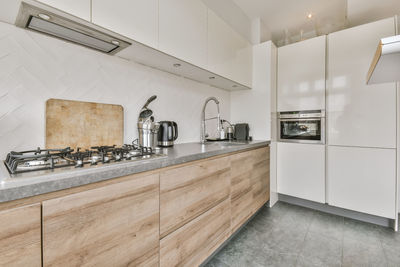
(301, 130)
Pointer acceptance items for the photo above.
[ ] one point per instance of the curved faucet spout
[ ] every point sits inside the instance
(203, 119)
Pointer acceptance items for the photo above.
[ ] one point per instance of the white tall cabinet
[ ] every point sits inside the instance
(359, 114)
(361, 129)
(301, 75)
(362, 179)
(183, 30)
(135, 19)
(301, 171)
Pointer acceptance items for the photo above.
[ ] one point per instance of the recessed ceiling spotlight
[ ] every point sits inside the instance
(115, 42)
(234, 86)
(44, 16)
(211, 78)
(309, 15)
(177, 65)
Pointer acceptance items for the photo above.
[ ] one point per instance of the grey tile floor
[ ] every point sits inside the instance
(288, 235)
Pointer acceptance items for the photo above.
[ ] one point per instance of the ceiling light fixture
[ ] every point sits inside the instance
(177, 65)
(211, 78)
(309, 16)
(44, 16)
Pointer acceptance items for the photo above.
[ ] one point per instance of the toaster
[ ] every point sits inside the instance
(242, 131)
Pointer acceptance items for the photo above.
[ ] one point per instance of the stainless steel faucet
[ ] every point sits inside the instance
(203, 134)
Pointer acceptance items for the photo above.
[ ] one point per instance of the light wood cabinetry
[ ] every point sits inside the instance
(79, 8)
(114, 225)
(249, 184)
(135, 19)
(191, 244)
(20, 236)
(188, 191)
(183, 30)
(176, 216)
(260, 178)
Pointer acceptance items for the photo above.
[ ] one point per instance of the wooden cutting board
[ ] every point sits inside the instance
(83, 124)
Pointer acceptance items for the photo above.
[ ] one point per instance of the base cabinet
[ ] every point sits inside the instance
(362, 179)
(20, 237)
(301, 171)
(193, 243)
(249, 184)
(114, 225)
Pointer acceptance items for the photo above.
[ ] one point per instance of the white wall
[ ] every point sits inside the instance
(254, 107)
(34, 68)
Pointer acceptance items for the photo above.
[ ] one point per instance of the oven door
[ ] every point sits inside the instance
(302, 130)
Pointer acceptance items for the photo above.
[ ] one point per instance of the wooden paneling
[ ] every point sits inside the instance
(260, 178)
(249, 184)
(83, 124)
(115, 225)
(191, 244)
(188, 191)
(20, 237)
(241, 188)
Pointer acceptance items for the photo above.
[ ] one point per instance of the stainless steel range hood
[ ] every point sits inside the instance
(385, 66)
(46, 20)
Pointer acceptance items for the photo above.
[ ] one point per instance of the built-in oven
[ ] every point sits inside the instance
(302, 126)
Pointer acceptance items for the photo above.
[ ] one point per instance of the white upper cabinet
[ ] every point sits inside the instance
(79, 8)
(229, 54)
(362, 179)
(301, 75)
(359, 114)
(183, 30)
(136, 19)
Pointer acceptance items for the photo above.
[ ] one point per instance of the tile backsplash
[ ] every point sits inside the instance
(34, 68)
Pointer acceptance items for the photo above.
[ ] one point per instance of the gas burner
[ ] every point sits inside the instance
(43, 159)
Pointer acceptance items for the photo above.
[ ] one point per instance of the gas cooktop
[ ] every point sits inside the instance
(47, 159)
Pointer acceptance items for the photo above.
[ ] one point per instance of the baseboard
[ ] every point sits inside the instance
(337, 211)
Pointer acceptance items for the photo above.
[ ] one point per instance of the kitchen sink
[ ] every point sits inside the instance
(225, 143)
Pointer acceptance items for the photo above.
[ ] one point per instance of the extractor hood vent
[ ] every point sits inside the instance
(385, 66)
(42, 20)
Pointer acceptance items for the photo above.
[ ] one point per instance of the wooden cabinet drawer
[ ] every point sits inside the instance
(114, 225)
(187, 192)
(20, 236)
(191, 244)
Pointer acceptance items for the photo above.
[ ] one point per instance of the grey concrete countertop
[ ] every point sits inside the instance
(29, 184)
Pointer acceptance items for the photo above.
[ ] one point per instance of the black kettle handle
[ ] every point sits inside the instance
(175, 127)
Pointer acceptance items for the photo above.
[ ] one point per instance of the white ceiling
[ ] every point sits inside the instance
(286, 21)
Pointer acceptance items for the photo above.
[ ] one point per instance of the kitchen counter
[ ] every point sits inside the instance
(40, 182)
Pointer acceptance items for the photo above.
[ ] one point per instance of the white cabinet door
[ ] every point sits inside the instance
(136, 19)
(229, 54)
(301, 171)
(301, 75)
(359, 114)
(362, 179)
(183, 30)
(79, 8)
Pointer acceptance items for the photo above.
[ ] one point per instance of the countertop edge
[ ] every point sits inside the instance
(19, 189)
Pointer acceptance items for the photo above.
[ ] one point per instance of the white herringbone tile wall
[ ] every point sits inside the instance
(34, 68)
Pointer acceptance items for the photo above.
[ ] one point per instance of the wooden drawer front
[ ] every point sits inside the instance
(260, 178)
(114, 225)
(241, 188)
(189, 191)
(20, 236)
(191, 244)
